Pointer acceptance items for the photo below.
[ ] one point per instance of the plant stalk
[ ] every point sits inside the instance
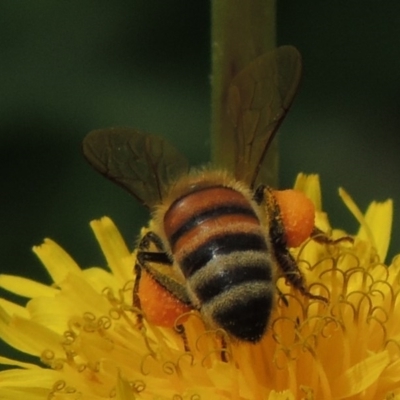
(241, 31)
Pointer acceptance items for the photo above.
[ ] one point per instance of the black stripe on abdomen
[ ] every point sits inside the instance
(226, 279)
(196, 220)
(225, 244)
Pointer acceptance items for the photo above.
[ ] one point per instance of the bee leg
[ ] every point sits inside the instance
(259, 194)
(151, 238)
(144, 257)
(321, 237)
(285, 260)
(294, 276)
(180, 330)
(224, 349)
(282, 297)
(136, 299)
(142, 260)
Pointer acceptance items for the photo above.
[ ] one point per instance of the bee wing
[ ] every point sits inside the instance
(143, 164)
(258, 99)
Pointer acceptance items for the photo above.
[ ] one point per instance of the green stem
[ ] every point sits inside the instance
(241, 31)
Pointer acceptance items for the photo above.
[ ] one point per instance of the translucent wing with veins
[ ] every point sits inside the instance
(258, 99)
(143, 164)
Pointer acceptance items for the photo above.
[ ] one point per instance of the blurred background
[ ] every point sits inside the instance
(69, 67)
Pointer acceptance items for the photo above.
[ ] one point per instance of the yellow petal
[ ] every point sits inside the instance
(100, 279)
(80, 296)
(310, 186)
(31, 384)
(361, 376)
(26, 287)
(50, 313)
(15, 363)
(375, 225)
(13, 309)
(24, 393)
(286, 395)
(391, 376)
(359, 216)
(56, 260)
(28, 336)
(379, 219)
(124, 389)
(114, 248)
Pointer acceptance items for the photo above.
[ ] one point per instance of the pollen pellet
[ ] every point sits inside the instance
(160, 307)
(297, 213)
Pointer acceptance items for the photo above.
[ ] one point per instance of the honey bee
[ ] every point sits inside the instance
(220, 238)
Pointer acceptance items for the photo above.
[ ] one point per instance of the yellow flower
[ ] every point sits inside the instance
(85, 331)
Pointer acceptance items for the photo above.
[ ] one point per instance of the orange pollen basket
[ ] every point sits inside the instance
(152, 295)
(298, 215)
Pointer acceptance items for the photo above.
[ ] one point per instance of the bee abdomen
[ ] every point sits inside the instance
(209, 221)
(236, 292)
(218, 242)
(222, 244)
(243, 311)
(226, 271)
(203, 208)
(231, 212)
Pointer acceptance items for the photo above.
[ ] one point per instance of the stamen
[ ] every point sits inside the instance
(169, 367)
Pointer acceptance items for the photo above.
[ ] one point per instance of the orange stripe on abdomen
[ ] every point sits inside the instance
(215, 226)
(195, 207)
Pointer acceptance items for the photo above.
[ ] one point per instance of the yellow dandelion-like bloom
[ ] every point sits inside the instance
(85, 331)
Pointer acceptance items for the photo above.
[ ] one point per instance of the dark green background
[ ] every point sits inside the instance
(71, 66)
